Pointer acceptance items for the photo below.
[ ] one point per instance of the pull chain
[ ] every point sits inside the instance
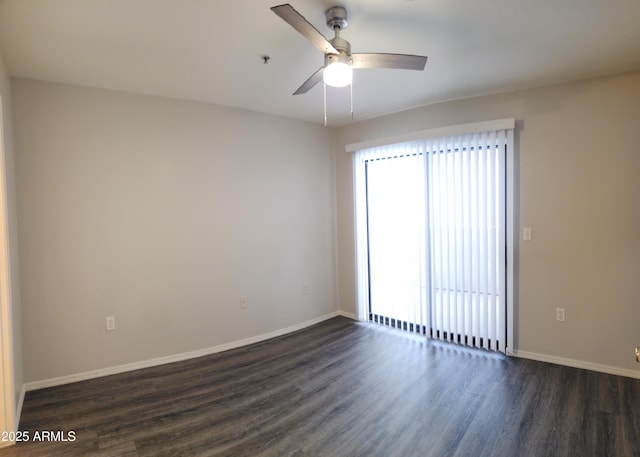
(324, 100)
(324, 91)
(351, 96)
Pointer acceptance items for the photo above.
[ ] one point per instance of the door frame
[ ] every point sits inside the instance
(7, 382)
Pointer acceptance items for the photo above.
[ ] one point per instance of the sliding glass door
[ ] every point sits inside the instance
(434, 219)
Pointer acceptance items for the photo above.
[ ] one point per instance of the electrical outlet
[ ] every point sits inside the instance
(637, 353)
(305, 289)
(110, 324)
(243, 302)
(526, 233)
(560, 314)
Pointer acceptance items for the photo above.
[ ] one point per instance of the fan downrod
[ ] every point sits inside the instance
(337, 21)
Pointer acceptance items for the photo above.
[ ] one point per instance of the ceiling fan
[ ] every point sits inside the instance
(338, 59)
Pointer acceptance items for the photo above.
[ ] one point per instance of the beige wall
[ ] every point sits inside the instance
(579, 188)
(163, 213)
(16, 315)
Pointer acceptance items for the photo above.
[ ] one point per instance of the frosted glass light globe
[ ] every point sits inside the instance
(337, 74)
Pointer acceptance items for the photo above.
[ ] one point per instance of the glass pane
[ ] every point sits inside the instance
(396, 221)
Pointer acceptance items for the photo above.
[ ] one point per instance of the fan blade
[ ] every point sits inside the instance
(298, 22)
(401, 61)
(309, 83)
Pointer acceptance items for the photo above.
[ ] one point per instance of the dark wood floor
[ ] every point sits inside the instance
(341, 388)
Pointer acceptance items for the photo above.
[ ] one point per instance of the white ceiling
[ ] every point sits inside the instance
(211, 50)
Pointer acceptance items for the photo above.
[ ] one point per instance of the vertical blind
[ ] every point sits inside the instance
(431, 236)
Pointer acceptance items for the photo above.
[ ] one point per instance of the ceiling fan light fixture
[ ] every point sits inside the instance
(338, 59)
(337, 74)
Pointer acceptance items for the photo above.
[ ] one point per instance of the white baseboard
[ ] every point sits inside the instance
(578, 364)
(347, 315)
(171, 358)
(42, 384)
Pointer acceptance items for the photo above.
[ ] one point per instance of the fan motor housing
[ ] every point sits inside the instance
(336, 17)
(333, 58)
(341, 44)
